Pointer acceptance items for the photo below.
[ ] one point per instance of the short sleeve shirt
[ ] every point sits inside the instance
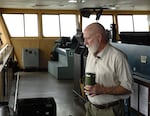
(111, 69)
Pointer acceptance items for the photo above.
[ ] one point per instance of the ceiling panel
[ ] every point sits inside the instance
(64, 4)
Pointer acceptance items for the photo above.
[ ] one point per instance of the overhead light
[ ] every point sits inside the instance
(112, 8)
(76, 1)
(72, 1)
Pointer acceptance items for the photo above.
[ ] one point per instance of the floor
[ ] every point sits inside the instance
(43, 84)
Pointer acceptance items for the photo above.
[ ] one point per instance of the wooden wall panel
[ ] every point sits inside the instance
(44, 45)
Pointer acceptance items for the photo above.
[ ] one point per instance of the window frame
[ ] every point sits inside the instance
(133, 22)
(60, 28)
(23, 20)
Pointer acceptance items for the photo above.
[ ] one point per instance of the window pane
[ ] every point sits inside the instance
(87, 21)
(125, 23)
(31, 25)
(50, 25)
(105, 20)
(68, 25)
(15, 28)
(138, 26)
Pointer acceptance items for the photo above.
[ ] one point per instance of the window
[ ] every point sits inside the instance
(133, 23)
(23, 25)
(125, 23)
(31, 25)
(16, 29)
(50, 24)
(105, 20)
(140, 23)
(59, 25)
(68, 25)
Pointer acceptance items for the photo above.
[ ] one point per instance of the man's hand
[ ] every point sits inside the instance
(98, 89)
(93, 90)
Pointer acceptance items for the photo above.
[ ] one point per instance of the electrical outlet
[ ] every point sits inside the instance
(144, 59)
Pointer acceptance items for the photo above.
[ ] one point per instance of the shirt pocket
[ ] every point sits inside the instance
(105, 75)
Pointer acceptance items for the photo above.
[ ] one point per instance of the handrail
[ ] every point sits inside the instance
(4, 56)
(4, 48)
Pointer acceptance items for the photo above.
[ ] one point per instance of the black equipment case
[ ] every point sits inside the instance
(36, 107)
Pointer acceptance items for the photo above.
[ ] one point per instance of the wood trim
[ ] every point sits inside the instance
(45, 11)
(42, 11)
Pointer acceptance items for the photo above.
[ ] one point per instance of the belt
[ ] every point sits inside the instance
(104, 106)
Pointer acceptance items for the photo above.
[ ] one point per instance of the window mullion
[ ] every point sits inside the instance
(24, 24)
(133, 23)
(59, 25)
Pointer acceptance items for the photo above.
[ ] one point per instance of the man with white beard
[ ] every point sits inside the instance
(113, 75)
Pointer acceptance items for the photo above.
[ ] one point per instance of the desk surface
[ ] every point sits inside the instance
(141, 80)
(63, 50)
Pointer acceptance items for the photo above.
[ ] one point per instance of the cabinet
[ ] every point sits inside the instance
(30, 57)
(140, 99)
(63, 68)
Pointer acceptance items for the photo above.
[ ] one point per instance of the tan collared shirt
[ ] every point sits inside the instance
(111, 69)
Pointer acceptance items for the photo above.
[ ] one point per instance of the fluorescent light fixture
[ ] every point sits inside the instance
(76, 1)
(72, 1)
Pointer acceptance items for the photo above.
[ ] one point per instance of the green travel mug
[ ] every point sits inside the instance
(89, 78)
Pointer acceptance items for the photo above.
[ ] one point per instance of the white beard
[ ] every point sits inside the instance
(94, 47)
